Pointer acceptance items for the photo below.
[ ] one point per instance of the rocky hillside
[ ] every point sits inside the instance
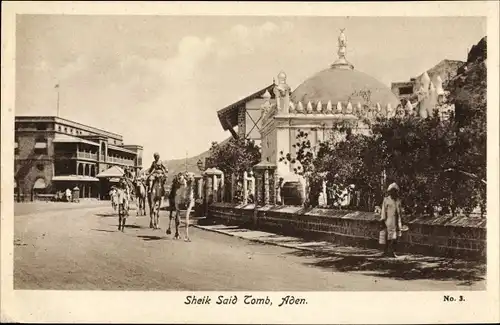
(468, 88)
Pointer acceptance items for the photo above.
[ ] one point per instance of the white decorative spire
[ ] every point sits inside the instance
(342, 62)
(359, 109)
(309, 107)
(425, 80)
(439, 86)
(319, 107)
(349, 108)
(390, 112)
(329, 107)
(409, 107)
(266, 95)
(300, 107)
(339, 108)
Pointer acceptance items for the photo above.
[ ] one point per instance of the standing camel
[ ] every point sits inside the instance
(140, 190)
(155, 198)
(183, 194)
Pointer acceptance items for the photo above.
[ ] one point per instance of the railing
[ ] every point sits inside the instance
(76, 155)
(87, 155)
(120, 161)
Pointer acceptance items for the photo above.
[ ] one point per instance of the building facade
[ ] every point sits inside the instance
(53, 154)
(324, 104)
(440, 73)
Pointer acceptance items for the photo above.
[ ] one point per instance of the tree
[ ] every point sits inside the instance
(233, 158)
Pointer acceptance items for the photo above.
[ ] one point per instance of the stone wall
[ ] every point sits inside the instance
(463, 237)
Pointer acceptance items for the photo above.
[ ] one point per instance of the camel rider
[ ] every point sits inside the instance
(157, 169)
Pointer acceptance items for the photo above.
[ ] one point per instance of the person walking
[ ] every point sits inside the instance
(390, 217)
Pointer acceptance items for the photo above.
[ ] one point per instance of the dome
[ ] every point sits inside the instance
(343, 85)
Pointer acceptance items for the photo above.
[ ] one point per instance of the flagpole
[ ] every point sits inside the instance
(57, 87)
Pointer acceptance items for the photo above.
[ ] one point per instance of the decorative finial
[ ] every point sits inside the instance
(342, 45)
(282, 77)
(266, 95)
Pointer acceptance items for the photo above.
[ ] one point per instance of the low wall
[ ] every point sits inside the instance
(463, 237)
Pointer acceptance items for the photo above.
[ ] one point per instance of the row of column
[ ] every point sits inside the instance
(85, 169)
(263, 184)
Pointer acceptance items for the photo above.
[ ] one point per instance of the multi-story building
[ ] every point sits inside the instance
(53, 154)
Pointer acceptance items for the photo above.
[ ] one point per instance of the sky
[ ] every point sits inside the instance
(159, 80)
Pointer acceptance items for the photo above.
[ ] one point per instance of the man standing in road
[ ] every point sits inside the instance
(391, 219)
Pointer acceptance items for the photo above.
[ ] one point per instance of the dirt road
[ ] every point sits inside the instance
(82, 249)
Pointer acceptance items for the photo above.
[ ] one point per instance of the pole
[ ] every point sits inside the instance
(57, 87)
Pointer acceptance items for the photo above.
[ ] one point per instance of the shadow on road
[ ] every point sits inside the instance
(135, 227)
(103, 230)
(150, 238)
(401, 268)
(106, 215)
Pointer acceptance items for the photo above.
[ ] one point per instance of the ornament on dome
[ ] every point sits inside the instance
(300, 108)
(400, 111)
(389, 110)
(342, 46)
(378, 110)
(383, 111)
(433, 100)
(339, 108)
(266, 95)
(309, 107)
(282, 93)
(409, 108)
(359, 109)
(439, 86)
(348, 109)
(355, 110)
(329, 107)
(425, 81)
(319, 107)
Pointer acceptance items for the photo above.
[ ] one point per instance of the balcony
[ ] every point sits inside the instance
(75, 155)
(87, 155)
(120, 161)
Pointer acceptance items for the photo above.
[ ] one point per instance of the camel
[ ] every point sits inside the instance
(155, 198)
(182, 193)
(140, 190)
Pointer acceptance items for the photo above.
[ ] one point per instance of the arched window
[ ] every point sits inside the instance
(80, 169)
(87, 170)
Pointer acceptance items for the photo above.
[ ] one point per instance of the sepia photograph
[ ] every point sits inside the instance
(230, 156)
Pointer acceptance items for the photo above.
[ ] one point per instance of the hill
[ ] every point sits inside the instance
(179, 165)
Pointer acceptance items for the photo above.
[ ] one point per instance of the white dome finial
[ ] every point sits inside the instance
(282, 77)
(342, 45)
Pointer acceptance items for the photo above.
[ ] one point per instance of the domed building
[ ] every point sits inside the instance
(332, 97)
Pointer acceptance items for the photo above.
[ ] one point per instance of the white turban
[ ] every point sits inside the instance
(393, 186)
